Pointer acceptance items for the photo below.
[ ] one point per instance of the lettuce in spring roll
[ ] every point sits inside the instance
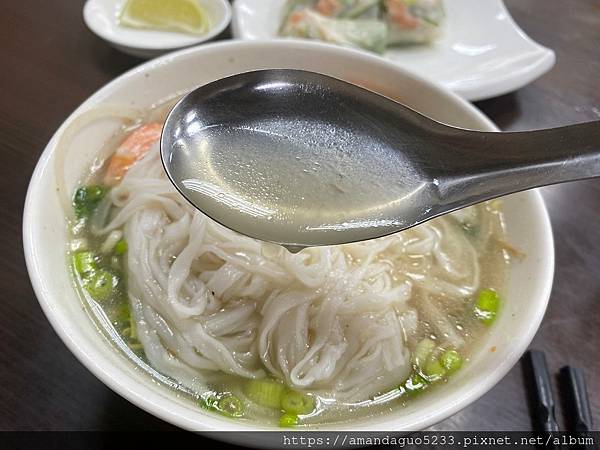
(413, 21)
(363, 33)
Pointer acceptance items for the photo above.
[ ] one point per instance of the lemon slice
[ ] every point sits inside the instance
(171, 15)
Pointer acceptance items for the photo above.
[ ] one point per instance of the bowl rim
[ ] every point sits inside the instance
(152, 400)
(116, 39)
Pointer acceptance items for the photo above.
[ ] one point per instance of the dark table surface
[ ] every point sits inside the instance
(51, 63)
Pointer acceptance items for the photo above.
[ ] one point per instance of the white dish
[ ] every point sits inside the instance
(45, 237)
(101, 17)
(481, 52)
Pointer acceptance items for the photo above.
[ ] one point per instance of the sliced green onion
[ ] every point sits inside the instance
(265, 392)
(85, 263)
(121, 247)
(486, 306)
(288, 420)
(415, 383)
(209, 401)
(121, 315)
(294, 402)
(434, 369)
(230, 405)
(422, 352)
(451, 360)
(101, 284)
(86, 199)
(488, 300)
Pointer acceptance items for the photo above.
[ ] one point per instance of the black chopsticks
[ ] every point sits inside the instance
(579, 413)
(545, 419)
(573, 387)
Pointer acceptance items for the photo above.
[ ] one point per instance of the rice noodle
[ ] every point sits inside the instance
(331, 319)
(335, 320)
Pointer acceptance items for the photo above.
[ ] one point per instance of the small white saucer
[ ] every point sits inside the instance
(101, 16)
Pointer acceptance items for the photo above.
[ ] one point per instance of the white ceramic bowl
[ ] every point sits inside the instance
(101, 16)
(45, 232)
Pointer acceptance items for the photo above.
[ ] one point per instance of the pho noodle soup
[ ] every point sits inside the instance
(250, 331)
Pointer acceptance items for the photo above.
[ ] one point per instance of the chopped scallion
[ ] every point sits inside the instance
(85, 263)
(288, 420)
(265, 392)
(415, 383)
(86, 199)
(121, 247)
(120, 315)
(434, 370)
(422, 352)
(486, 306)
(451, 360)
(230, 405)
(294, 402)
(101, 284)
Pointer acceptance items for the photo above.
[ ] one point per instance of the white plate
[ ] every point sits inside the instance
(481, 53)
(101, 17)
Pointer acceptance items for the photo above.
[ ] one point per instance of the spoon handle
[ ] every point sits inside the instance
(495, 164)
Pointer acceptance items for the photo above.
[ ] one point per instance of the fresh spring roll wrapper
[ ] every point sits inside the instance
(341, 9)
(413, 21)
(367, 34)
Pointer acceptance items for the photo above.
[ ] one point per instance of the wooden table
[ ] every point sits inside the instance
(51, 63)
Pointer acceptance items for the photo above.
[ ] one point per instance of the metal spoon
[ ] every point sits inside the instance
(303, 159)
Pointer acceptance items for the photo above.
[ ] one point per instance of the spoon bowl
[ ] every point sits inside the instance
(304, 159)
(284, 164)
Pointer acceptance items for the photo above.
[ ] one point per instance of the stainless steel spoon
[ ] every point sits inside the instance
(303, 159)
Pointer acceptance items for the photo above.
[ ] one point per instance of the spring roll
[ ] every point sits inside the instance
(362, 33)
(413, 21)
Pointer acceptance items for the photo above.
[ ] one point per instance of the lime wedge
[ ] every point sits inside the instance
(185, 16)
